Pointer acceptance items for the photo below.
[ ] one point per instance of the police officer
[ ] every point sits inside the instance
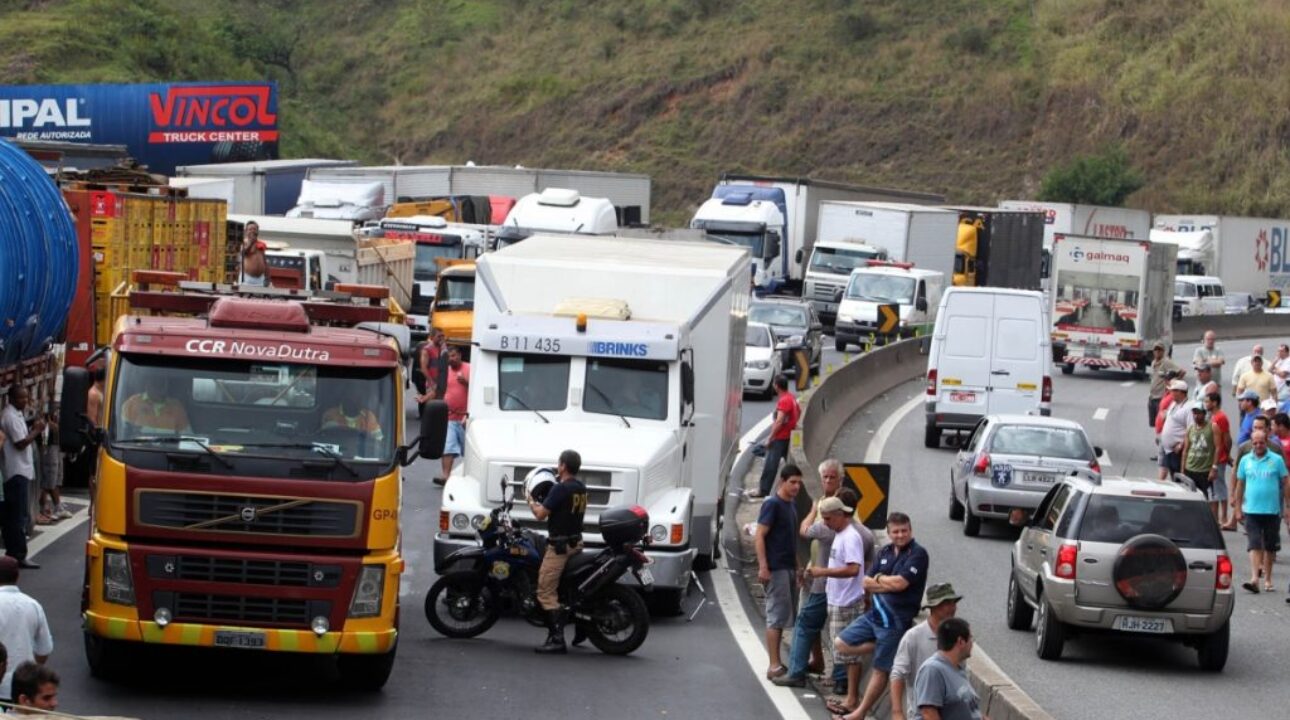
(563, 509)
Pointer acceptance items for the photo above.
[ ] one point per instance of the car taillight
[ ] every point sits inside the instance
(1046, 394)
(1094, 466)
(1066, 562)
(1223, 578)
(982, 466)
(931, 381)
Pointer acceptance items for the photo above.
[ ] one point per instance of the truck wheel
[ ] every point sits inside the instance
(708, 561)
(1050, 636)
(1068, 369)
(1212, 651)
(931, 436)
(971, 521)
(839, 344)
(665, 602)
(366, 672)
(1020, 614)
(106, 658)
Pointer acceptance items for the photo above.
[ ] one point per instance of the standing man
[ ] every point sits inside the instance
(24, 631)
(942, 687)
(19, 469)
(776, 543)
(1242, 366)
(844, 579)
(1258, 380)
(1223, 447)
(35, 686)
(895, 586)
(432, 361)
(1261, 498)
(1174, 431)
(1204, 377)
(1280, 368)
(563, 509)
(919, 644)
(1209, 355)
(1248, 404)
(1162, 371)
(255, 269)
(1200, 450)
(456, 390)
(787, 412)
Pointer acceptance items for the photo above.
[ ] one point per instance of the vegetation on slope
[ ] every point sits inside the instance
(976, 100)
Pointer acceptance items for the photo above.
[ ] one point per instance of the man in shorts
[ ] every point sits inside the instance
(776, 543)
(895, 586)
(1223, 446)
(1260, 499)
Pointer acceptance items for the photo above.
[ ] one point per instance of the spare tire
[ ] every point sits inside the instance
(1150, 572)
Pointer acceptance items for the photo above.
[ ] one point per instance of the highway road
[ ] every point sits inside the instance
(1097, 677)
(699, 663)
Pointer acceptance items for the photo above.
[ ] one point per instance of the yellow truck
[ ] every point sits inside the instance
(453, 309)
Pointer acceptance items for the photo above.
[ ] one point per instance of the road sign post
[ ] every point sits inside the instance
(872, 482)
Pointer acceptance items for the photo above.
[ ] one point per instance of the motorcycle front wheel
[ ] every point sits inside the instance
(462, 604)
(619, 620)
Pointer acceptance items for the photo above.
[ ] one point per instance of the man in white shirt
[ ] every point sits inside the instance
(844, 587)
(919, 644)
(1174, 430)
(1209, 354)
(19, 469)
(23, 627)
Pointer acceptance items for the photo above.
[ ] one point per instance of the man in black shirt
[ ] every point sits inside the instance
(562, 509)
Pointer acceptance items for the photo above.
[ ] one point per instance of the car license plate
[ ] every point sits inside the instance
(963, 397)
(1133, 623)
(646, 577)
(239, 639)
(1045, 478)
(1093, 351)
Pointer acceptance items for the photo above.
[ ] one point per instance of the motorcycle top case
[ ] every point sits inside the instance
(622, 525)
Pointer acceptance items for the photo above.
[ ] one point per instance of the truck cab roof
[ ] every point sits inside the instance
(897, 271)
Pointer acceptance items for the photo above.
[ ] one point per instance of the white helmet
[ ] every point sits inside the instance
(539, 482)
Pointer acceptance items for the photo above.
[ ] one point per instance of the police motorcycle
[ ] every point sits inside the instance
(477, 584)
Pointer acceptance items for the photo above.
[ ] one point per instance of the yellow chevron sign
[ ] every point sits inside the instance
(872, 482)
(888, 318)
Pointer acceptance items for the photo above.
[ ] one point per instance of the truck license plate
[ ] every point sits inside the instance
(1092, 351)
(1133, 623)
(646, 577)
(963, 397)
(239, 639)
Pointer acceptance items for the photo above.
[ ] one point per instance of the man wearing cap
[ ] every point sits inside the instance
(1200, 455)
(1258, 380)
(1242, 366)
(1204, 379)
(1209, 355)
(844, 586)
(1162, 371)
(1174, 430)
(919, 644)
(1248, 402)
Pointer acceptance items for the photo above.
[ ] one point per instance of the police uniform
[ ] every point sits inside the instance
(567, 504)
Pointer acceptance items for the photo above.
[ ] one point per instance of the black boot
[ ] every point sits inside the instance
(579, 633)
(554, 644)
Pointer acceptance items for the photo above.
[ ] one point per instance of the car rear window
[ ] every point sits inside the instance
(1054, 442)
(1117, 518)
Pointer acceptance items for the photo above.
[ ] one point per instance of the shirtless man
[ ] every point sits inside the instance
(255, 270)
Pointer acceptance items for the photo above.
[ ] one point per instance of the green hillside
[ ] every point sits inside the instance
(971, 98)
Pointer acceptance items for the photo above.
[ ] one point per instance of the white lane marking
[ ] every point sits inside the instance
(752, 644)
(874, 453)
(1128, 383)
(1105, 461)
(1100, 413)
(49, 534)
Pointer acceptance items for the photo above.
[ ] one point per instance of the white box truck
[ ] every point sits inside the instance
(631, 353)
(262, 187)
(777, 219)
(563, 210)
(1110, 301)
(628, 192)
(1249, 254)
(851, 233)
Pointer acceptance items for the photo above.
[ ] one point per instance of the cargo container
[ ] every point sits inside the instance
(162, 125)
(629, 192)
(999, 247)
(263, 187)
(1249, 254)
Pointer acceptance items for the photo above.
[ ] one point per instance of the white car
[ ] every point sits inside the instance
(761, 362)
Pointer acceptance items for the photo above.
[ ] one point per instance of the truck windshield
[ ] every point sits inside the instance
(455, 292)
(628, 388)
(755, 242)
(839, 261)
(533, 382)
(882, 288)
(425, 267)
(1184, 289)
(245, 407)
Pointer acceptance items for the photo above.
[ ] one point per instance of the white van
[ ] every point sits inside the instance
(990, 355)
(880, 282)
(1199, 295)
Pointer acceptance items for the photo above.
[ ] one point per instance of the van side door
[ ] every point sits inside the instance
(1017, 361)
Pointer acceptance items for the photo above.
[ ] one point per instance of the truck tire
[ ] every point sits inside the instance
(106, 658)
(708, 561)
(1211, 654)
(1068, 369)
(1020, 614)
(366, 672)
(1050, 634)
(931, 436)
(839, 344)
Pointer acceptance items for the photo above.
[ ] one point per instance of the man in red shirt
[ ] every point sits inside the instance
(787, 412)
(431, 363)
(454, 395)
(1223, 460)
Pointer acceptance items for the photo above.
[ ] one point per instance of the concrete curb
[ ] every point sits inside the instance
(1231, 327)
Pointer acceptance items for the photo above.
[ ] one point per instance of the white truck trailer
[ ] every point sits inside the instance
(631, 353)
(1110, 301)
(1248, 254)
(777, 219)
(563, 210)
(261, 187)
(851, 233)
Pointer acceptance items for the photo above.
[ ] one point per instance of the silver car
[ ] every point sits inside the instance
(1010, 461)
(1128, 556)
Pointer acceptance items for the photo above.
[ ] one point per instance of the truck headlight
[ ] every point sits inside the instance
(367, 592)
(118, 584)
(460, 522)
(658, 534)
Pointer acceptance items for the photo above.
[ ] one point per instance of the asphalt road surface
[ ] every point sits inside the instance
(1097, 677)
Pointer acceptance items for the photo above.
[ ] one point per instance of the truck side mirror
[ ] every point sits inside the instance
(772, 246)
(921, 304)
(798, 257)
(837, 296)
(687, 384)
(76, 429)
(434, 430)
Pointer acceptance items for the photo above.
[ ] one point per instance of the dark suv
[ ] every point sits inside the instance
(796, 327)
(1117, 555)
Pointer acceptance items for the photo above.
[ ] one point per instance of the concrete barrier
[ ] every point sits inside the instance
(1228, 327)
